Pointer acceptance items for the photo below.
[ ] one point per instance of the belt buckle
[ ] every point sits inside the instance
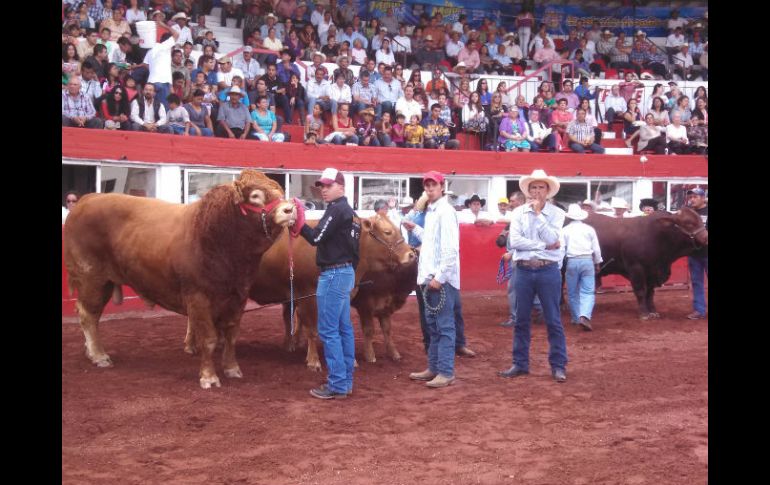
(535, 263)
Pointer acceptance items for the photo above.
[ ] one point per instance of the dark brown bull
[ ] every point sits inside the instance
(382, 250)
(642, 249)
(196, 259)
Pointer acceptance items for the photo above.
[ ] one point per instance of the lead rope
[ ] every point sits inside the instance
(291, 285)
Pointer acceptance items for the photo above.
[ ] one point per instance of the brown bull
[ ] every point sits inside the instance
(642, 249)
(197, 259)
(381, 250)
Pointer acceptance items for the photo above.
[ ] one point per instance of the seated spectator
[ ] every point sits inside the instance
(388, 92)
(131, 91)
(414, 133)
(180, 25)
(581, 134)
(296, 94)
(546, 91)
(513, 132)
(673, 96)
(264, 123)
(384, 130)
(70, 62)
(277, 90)
(179, 86)
(318, 58)
(232, 8)
(358, 53)
(538, 135)
(473, 115)
(379, 34)
(314, 125)
(631, 118)
(106, 42)
(294, 45)
(134, 14)
(343, 131)
(117, 25)
(546, 54)
(226, 73)
(364, 93)
(469, 54)
(403, 44)
(233, 118)
(697, 133)
(651, 136)
(684, 65)
(591, 120)
(503, 64)
(539, 105)
(521, 103)
(77, 109)
(178, 117)
(318, 91)
(675, 41)
(91, 88)
(371, 69)
(331, 49)
(365, 129)
(619, 57)
(98, 61)
(505, 98)
(436, 131)
(148, 113)
(115, 110)
(199, 115)
(436, 83)
(384, 55)
(560, 119)
(398, 73)
(339, 92)
(615, 105)
(512, 50)
(676, 136)
(682, 108)
(272, 42)
(583, 91)
(343, 62)
(114, 78)
(655, 60)
(408, 105)
(398, 132)
(487, 63)
(584, 68)
(431, 54)
(659, 112)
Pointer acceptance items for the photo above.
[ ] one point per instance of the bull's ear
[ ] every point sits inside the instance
(238, 191)
(367, 224)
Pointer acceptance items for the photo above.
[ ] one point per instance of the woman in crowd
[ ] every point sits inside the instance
(486, 61)
(264, 123)
(385, 130)
(314, 123)
(398, 130)
(416, 79)
(539, 105)
(307, 36)
(484, 95)
(674, 95)
(84, 20)
(658, 112)
(676, 136)
(502, 88)
(585, 103)
(343, 131)
(630, 117)
(513, 132)
(546, 91)
(683, 109)
(199, 115)
(70, 62)
(116, 110)
(358, 53)
(384, 54)
(496, 114)
(657, 92)
(295, 92)
(700, 92)
(651, 136)
(474, 117)
(134, 14)
(373, 29)
(698, 133)
(113, 78)
(294, 44)
(521, 103)
(398, 73)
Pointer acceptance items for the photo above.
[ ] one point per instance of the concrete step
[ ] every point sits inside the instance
(618, 151)
(609, 135)
(613, 142)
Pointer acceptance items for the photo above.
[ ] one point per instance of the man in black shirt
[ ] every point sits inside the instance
(698, 262)
(276, 89)
(336, 236)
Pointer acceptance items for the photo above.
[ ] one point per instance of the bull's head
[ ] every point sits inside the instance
(391, 250)
(689, 222)
(261, 196)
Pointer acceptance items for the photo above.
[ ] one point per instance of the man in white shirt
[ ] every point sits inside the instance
(148, 113)
(614, 104)
(583, 258)
(185, 34)
(675, 41)
(339, 92)
(684, 64)
(227, 72)
(675, 21)
(318, 14)
(473, 214)
(535, 238)
(408, 106)
(438, 275)
(158, 60)
(317, 91)
(538, 133)
(454, 45)
(402, 43)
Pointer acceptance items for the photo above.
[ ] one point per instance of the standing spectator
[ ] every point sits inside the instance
(436, 131)
(199, 115)
(535, 238)
(496, 112)
(232, 8)
(337, 237)
(513, 134)
(583, 258)
(318, 91)
(264, 122)
(698, 261)
(591, 120)
(439, 278)
(115, 110)
(343, 131)
(676, 136)
(148, 113)
(675, 22)
(581, 134)
(615, 105)
(159, 61)
(339, 92)
(523, 23)
(77, 110)
(233, 118)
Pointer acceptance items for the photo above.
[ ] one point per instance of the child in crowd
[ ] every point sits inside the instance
(414, 133)
(398, 130)
(178, 117)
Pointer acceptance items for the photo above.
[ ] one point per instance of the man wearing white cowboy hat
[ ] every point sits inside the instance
(535, 238)
(473, 214)
(620, 207)
(583, 258)
(185, 34)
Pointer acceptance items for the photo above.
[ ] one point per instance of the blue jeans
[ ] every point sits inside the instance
(459, 321)
(546, 283)
(698, 267)
(162, 91)
(335, 327)
(339, 140)
(441, 350)
(325, 105)
(580, 287)
(204, 131)
(385, 106)
(512, 300)
(578, 148)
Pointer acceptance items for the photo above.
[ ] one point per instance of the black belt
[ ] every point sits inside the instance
(534, 263)
(335, 266)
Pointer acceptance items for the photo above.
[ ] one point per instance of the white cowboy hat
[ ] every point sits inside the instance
(618, 203)
(576, 213)
(589, 202)
(459, 65)
(406, 202)
(180, 15)
(323, 56)
(603, 207)
(539, 174)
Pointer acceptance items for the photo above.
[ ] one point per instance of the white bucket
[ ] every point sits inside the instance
(146, 30)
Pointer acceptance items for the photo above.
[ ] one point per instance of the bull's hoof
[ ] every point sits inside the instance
(395, 356)
(290, 346)
(235, 373)
(102, 361)
(189, 349)
(314, 366)
(207, 382)
(370, 357)
(655, 315)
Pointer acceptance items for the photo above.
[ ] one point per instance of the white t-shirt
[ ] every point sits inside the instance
(185, 34)
(64, 214)
(401, 44)
(409, 108)
(466, 216)
(674, 132)
(386, 58)
(159, 61)
(227, 77)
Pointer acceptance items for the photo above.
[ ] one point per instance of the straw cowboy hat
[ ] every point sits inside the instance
(540, 175)
(589, 202)
(235, 90)
(367, 111)
(475, 198)
(180, 15)
(618, 203)
(321, 54)
(576, 213)
(460, 65)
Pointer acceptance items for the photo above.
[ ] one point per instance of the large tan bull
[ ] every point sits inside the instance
(382, 251)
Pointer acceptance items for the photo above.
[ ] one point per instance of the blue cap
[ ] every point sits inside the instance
(697, 191)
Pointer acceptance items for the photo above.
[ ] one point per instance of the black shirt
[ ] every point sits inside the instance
(703, 212)
(335, 235)
(273, 84)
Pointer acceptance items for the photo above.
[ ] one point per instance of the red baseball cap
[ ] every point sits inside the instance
(433, 175)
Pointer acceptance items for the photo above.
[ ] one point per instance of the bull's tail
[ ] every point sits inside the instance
(117, 294)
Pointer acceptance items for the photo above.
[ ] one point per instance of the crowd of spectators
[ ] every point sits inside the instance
(183, 85)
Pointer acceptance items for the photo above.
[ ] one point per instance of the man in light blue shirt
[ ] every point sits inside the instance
(388, 91)
(535, 238)
(350, 36)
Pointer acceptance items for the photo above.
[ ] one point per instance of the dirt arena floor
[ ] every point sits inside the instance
(634, 410)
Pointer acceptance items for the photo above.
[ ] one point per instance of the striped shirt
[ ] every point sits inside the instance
(582, 131)
(530, 234)
(79, 105)
(440, 250)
